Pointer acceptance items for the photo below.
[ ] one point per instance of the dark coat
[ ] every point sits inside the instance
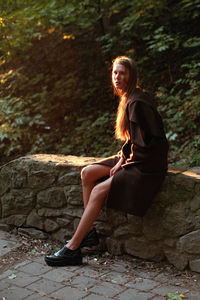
(135, 185)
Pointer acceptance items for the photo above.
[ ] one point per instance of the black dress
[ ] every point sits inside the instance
(135, 185)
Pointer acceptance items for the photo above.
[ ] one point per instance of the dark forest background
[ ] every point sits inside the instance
(55, 58)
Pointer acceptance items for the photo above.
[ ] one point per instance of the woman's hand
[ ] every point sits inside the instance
(116, 167)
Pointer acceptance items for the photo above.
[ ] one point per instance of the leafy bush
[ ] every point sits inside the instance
(55, 55)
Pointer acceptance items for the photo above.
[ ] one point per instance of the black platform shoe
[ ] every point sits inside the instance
(91, 239)
(64, 257)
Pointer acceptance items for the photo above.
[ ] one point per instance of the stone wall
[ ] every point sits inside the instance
(44, 192)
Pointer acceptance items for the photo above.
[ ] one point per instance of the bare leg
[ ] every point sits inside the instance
(89, 176)
(91, 212)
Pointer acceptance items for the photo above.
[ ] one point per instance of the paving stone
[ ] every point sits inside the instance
(121, 266)
(58, 275)
(193, 295)
(115, 277)
(34, 268)
(6, 274)
(38, 297)
(15, 293)
(132, 294)
(119, 280)
(6, 246)
(4, 227)
(91, 272)
(39, 259)
(161, 277)
(142, 284)
(8, 237)
(69, 294)
(22, 279)
(83, 282)
(4, 285)
(21, 264)
(107, 289)
(45, 286)
(158, 298)
(145, 274)
(164, 290)
(95, 297)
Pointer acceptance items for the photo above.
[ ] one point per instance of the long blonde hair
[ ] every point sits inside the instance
(122, 124)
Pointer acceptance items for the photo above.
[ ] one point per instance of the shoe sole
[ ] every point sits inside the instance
(90, 250)
(62, 263)
(89, 244)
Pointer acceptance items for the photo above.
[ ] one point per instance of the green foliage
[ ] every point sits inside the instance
(88, 136)
(55, 93)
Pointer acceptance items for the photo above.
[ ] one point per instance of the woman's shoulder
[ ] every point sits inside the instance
(141, 106)
(139, 96)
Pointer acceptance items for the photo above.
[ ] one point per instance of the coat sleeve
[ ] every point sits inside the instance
(147, 118)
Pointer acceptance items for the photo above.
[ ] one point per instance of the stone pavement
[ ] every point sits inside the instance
(98, 278)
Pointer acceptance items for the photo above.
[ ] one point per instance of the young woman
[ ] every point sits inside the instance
(135, 174)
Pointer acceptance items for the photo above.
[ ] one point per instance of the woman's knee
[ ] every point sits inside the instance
(91, 173)
(86, 175)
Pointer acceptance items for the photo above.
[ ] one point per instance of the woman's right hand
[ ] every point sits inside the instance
(117, 167)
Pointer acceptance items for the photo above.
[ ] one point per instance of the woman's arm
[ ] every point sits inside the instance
(116, 167)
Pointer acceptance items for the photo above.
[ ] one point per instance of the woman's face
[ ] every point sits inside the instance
(120, 77)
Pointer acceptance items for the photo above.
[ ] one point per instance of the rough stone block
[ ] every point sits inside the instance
(15, 220)
(114, 246)
(195, 203)
(104, 228)
(171, 242)
(197, 188)
(4, 186)
(5, 179)
(152, 224)
(176, 221)
(53, 197)
(70, 178)
(171, 225)
(50, 225)
(63, 234)
(141, 247)
(34, 233)
(17, 202)
(195, 265)
(186, 183)
(178, 259)
(40, 179)
(73, 194)
(127, 230)
(33, 220)
(117, 217)
(190, 242)
(63, 222)
(73, 212)
(19, 179)
(50, 212)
